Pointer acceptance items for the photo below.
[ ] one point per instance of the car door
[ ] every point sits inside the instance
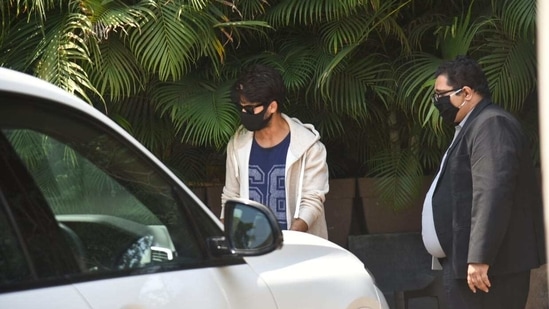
(102, 223)
(27, 251)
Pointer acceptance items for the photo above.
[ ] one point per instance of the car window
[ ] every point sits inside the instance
(114, 207)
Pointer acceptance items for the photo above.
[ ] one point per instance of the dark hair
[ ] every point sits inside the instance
(464, 71)
(261, 84)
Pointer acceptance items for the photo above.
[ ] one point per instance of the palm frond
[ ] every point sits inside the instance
(32, 9)
(289, 12)
(518, 17)
(296, 59)
(207, 42)
(456, 38)
(18, 46)
(415, 78)
(171, 44)
(249, 9)
(382, 12)
(238, 21)
(509, 66)
(165, 45)
(116, 73)
(421, 29)
(244, 24)
(398, 177)
(61, 52)
(299, 66)
(340, 33)
(200, 110)
(139, 116)
(356, 28)
(390, 29)
(115, 15)
(356, 83)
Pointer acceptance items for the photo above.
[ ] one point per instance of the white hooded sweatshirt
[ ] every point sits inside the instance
(306, 174)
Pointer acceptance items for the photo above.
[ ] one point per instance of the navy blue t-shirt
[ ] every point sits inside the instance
(267, 178)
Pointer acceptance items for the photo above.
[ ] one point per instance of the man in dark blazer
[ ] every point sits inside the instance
(482, 217)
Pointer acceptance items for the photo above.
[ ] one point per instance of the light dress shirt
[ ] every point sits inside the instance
(428, 231)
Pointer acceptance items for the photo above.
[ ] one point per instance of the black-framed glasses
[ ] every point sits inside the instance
(437, 96)
(250, 109)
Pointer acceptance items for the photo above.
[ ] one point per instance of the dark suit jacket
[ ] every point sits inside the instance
(487, 205)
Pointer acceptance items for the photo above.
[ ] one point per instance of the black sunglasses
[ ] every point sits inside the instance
(250, 109)
(446, 93)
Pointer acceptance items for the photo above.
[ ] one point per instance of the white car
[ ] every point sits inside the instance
(90, 219)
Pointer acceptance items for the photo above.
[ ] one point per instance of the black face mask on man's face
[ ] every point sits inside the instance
(446, 109)
(255, 122)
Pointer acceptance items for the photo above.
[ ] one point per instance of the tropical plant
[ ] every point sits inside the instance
(360, 70)
(115, 54)
(501, 35)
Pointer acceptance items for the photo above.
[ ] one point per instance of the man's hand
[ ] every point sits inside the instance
(299, 225)
(477, 277)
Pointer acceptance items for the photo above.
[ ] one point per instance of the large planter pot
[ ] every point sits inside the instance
(338, 209)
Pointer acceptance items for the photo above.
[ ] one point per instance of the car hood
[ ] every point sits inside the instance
(305, 265)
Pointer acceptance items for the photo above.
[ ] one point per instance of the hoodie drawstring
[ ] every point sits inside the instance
(300, 183)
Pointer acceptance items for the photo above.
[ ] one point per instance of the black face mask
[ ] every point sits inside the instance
(446, 109)
(255, 122)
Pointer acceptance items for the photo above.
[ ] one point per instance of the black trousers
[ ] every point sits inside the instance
(508, 291)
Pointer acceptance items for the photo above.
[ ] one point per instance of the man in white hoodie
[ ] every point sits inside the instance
(274, 159)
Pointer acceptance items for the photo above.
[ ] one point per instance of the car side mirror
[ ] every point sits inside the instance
(250, 228)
